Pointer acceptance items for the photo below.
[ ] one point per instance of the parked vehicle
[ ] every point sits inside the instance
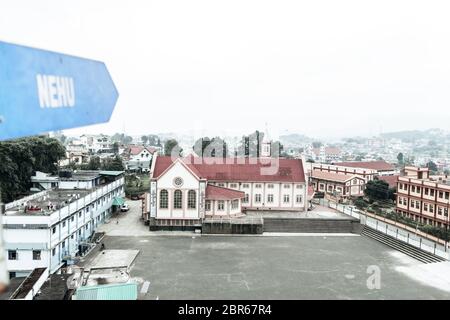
(124, 207)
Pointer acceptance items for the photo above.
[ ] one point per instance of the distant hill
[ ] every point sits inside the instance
(411, 135)
(294, 139)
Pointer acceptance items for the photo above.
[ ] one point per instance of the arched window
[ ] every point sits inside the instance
(192, 199)
(177, 199)
(164, 199)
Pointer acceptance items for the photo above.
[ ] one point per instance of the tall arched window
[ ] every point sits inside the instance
(192, 199)
(164, 199)
(177, 199)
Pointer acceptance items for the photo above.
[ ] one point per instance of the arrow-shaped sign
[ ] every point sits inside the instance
(44, 91)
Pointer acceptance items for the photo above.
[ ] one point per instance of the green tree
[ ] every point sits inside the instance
(317, 144)
(378, 190)
(171, 146)
(114, 164)
(144, 139)
(115, 147)
(432, 167)
(400, 158)
(21, 157)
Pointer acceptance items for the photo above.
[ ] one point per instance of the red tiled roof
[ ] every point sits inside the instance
(220, 193)
(375, 165)
(331, 176)
(238, 169)
(391, 180)
(134, 150)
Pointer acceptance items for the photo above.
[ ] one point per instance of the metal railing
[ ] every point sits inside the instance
(394, 229)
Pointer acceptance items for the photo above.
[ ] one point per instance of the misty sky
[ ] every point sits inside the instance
(321, 68)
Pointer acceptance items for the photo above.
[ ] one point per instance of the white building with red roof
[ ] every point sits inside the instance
(184, 191)
(138, 157)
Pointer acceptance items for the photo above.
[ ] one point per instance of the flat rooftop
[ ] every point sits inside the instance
(42, 205)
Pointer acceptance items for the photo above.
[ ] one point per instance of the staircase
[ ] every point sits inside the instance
(305, 225)
(401, 246)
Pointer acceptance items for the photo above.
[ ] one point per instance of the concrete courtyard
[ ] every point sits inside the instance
(190, 266)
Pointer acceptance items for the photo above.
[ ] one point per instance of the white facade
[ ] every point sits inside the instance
(35, 240)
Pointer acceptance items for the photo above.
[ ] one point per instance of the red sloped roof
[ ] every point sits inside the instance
(134, 150)
(220, 193)
(374, 165)
(331, 176)
(238, 169)
(391, 180)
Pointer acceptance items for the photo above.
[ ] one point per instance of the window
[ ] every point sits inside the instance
(298, 198)
(53, 251)
(246, 198)
(192, 199)
(63, 244)
(441, 194)
(177, 199)
(446, 195)
(221, 184)
(270, 186)
(432, 192)
(12, 255)
(446, 212)
(431, 208)
(164, 199)
(36, 254)
(286, 198)
(287, 186)
(73, 218)
(12, 274)
(258, 186)
(79, 214)
(233, 185)
(235, 204)
(413, 188)
(418, 189)
(221, 205)
(208, 205)
(426, 191)
(54, 230)
(269, 198)
(425, 207)
(64, 223)
(298, 186)
(245, 185)
(257, 198)
(417, 204)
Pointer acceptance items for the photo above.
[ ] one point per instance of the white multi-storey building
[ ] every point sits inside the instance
(50, 228)
(96, 143)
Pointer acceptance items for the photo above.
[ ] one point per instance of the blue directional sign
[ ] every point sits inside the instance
(43, 91)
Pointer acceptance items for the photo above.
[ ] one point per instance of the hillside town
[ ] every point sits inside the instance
(57, 219)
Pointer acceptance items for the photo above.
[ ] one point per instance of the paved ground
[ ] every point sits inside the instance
(189, 266)
(319, 212)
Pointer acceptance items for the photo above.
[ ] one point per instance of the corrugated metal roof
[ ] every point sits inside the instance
(122, 291)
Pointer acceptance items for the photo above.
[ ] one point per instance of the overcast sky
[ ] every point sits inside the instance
(321, 68)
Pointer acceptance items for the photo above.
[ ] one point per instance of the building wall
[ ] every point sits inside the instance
(424, 201)
(264, 189)
(59, 234)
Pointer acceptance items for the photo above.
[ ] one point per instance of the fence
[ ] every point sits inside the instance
(394, 229)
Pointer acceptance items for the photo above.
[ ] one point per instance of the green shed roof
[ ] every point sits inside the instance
(118, 201)
(122, 291)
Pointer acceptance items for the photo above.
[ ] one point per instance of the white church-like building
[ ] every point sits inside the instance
(186, 190)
